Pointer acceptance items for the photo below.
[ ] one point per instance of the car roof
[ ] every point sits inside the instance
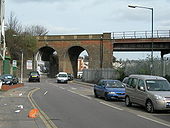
(108, 80)
(62, 73)
(6, 75)
(34, 71)
(145, 77)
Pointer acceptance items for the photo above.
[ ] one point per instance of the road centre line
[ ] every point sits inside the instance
(111, 106)
(154, 120)
(79, 94)
(73, 88)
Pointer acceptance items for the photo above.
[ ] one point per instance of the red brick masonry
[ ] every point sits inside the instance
(7, 87)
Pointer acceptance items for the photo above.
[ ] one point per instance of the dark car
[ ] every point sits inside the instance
(8, 79)
(70, 76)
(109, 89)
(34, 76)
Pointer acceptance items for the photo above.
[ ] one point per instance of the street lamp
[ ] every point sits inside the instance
(22, 62)
(22, 65)
(132, 6)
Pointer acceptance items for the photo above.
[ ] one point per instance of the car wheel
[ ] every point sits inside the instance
(127, 101)
(105, 97)
(149, 106)
(95, 94)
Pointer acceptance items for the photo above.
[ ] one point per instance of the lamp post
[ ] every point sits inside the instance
(101, 52)
(132, 6)
(22, 65)
(22, 62)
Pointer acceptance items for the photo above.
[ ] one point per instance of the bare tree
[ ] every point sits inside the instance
(36, 30)
(13, 24)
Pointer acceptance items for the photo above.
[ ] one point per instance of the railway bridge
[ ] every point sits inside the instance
(62, 51)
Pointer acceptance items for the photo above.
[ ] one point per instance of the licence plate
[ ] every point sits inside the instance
(168, 104)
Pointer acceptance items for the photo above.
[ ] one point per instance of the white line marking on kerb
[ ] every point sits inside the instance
(61, 88)
(111, 106)
(80, 94)
(154, 120)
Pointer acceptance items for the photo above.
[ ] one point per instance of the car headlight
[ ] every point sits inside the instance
(111, 93)
(158, 97)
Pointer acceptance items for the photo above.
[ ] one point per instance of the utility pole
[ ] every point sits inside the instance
(2, 30)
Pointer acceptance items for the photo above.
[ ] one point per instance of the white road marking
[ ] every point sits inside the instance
(79, 94)
(45, 93)
(154, 120)
(20, 106)
(20, 94)
(17, 111)
(61, 88)
(111, 106)
(74, 88)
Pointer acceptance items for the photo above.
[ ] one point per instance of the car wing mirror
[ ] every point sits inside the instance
(142, 88)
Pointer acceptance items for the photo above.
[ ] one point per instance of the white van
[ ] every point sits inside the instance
(62, 77)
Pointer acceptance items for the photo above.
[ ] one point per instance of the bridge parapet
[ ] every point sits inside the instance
(75, 37)
(141, 34)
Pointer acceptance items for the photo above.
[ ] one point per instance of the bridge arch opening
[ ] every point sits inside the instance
(79, 59)
(47, 61)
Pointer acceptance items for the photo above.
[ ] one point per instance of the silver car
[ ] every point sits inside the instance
(153, 92)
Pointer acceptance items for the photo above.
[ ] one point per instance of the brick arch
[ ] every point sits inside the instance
(98, 46)
(46, 54)
(73, 53)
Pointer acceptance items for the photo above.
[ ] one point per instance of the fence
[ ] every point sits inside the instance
(141, 34)
(94, 75)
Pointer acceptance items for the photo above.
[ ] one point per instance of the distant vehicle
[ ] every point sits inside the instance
(79, 74)
(109, 89)
(70, 76)
(34, 76)
(62, 77)
(152, 92)
(8, 79)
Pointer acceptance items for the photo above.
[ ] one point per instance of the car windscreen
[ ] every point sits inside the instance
(114, 84)
(62, 75)
(34, 74)
(8, 77)
(157, 85)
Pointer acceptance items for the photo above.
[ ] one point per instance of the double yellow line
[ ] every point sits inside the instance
(48, 123)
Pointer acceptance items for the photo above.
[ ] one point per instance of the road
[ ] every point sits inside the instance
(74, 106)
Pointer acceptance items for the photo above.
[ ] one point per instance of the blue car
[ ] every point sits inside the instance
(109, 89)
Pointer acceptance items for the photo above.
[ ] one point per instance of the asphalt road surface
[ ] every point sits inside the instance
(74, 106)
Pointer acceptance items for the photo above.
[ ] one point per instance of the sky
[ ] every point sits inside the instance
(70, 17)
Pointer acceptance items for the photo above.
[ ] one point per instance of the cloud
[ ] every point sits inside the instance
(60, 30)
(45, 1)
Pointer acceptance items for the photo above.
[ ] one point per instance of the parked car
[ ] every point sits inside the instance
(8, 79)
(109, 89)
(125, 80)
(70, 76)
(62, 77)
(152, 92)
(34, 76)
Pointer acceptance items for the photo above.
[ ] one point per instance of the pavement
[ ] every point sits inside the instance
(15, 105)
(79, 81)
